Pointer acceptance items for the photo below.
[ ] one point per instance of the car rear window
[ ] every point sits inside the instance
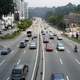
(58, 77)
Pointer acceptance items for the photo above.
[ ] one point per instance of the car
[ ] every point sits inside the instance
(48, 47)
(32, 45)
(19, 72)
(9, 50)
(29, 33)
(45, 40)
(5, 29)
(60, 47)
(27, 39)
(35, 36)
(5, 51)
(45, 28)
(22, 45)
(58, 76)
(0, 32)
(51, 36)
(54, 34)
(59, 37)
(43, 33)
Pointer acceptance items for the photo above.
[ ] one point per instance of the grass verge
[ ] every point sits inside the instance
(73, 39)
(11, 36)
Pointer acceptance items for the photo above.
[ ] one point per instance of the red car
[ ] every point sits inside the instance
(48, 47)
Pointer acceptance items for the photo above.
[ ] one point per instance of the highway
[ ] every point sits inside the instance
(66, 62)
(18, 56)
(42, 64)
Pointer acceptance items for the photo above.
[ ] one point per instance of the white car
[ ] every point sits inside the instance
(60, 47)
(33, 45)
(59, 37)
(51, 36)
(27, 39)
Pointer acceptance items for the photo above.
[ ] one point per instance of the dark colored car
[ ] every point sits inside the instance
(5, 51)
(29, 33)
(19, 72)
(0, 32)
(22, 45)
(57, 76)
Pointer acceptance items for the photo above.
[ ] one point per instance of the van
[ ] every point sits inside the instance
(19, 72)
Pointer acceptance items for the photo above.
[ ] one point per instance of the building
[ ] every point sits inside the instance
(72, 19)
(26, 10)
(19, 8)
(72, 23)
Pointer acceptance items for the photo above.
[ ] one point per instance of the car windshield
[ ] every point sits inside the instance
(33, 44)
(58, 77)
(60, 45)
(17, 71)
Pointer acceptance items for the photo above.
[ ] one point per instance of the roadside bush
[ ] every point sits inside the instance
(10, 36)
(24, 24)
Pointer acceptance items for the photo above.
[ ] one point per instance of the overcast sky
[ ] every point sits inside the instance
(50, 3)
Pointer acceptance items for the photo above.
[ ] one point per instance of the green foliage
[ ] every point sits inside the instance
(57, 20)
(57, 17)
(61, 25)
(77, 9)
(10, 36)
(6, 6)
(24, 24)
(73, 39)
(64, 10)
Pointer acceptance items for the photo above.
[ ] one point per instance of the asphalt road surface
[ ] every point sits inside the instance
(66, 62)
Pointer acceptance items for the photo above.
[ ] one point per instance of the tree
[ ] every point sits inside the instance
(57, 20)
(24, 24)
(78, 9)
(6, 6)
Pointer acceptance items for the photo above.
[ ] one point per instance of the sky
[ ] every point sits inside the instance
(50, 3)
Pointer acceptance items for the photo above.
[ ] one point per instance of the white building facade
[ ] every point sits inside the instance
(26, 14)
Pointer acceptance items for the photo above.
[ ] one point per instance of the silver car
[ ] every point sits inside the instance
(32, 45)
(60, 47)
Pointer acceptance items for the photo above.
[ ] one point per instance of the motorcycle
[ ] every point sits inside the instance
(75, 49)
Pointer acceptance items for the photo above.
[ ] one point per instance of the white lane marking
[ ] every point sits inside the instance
(18, 45)
(77, 61)
(12, 52)
(2, 62)
(18, 61)
(67, 77)
(8, 78)
(68, 51)
(24, 52)
(43, 66)
(36, 60)
(61, 61)
(56, 51)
